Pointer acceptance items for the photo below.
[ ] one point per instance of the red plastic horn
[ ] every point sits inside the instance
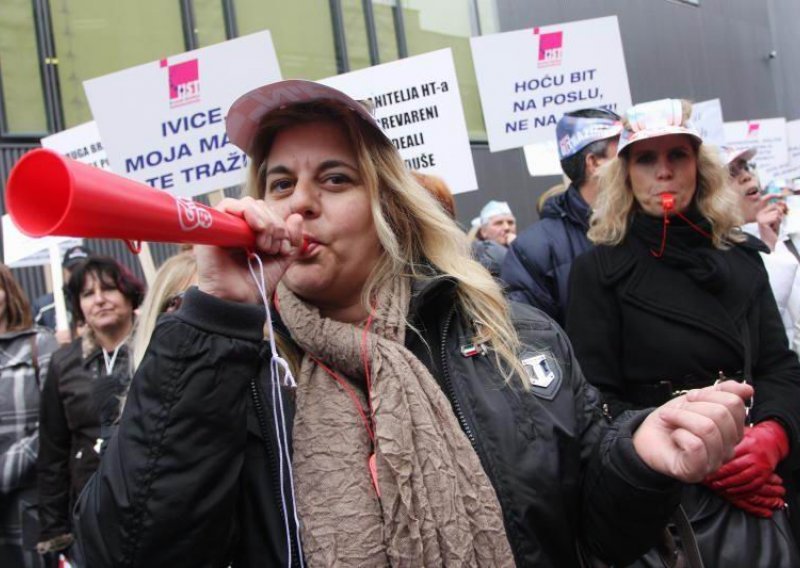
(48, 194)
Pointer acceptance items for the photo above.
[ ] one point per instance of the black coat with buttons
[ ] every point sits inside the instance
(642, 328)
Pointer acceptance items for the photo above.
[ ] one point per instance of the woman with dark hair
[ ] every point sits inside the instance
(24, 357)
(80, 393)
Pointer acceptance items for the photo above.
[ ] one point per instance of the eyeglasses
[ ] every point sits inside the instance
(740, 166)
(173, 303)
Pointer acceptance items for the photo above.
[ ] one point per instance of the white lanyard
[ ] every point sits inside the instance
(110, 360)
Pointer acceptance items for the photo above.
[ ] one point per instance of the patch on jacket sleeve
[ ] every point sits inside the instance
(544, 373)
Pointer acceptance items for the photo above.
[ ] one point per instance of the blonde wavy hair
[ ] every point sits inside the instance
(173, 277)
(715, 198)
(414, 231)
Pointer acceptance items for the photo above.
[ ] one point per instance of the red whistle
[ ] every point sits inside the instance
(305, 245)
(667, 202)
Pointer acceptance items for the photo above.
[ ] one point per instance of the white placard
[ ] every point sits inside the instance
(418, 105)
(542, 159)
(163, 123)
(791, 223)
(81, 143)
(20, 250)
(529, 78)
(707, 120)
(790, 170)
(793, 136)
(768, 136)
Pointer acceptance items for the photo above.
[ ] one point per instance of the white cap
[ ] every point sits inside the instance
(493, 209)
(655, 119)
(730, 154)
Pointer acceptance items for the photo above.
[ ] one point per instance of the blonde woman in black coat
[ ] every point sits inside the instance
(675, 297)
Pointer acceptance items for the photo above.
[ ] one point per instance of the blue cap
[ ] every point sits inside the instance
(574, 133)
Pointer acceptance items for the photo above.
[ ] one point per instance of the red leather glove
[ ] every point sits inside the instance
(762, 448)
(763, 502)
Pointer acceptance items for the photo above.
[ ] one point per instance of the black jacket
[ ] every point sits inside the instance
(490, 254)
(536, 268)
(640, 326)
(43, 309)
(70, 427)
(191, 477)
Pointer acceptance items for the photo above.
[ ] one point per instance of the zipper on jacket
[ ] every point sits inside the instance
(448, 382)
(513, 539)
(265, 432)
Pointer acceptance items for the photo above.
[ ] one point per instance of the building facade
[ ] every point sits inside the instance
(740, 51)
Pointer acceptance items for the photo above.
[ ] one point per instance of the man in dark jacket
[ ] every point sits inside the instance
(497, 228)
(536, 268)
(44, 307)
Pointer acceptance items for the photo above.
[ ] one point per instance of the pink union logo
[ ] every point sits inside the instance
(753, 129)
(192, 215)
(551, 46)
(184, 82)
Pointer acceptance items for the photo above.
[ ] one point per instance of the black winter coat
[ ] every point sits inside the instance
(70, 427)
(536, 268)
(642, 329)
(191, 477)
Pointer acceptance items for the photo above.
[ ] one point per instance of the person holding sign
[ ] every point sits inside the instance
(675, 297)
(763, 211)
(536, 269)
(763, 216)
(401, 414)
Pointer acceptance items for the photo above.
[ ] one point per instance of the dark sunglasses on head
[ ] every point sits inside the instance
(740, 166)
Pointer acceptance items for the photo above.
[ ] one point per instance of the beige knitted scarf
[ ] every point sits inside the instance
(436, 505)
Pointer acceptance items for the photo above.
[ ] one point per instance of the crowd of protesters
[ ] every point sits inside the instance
(372, 386)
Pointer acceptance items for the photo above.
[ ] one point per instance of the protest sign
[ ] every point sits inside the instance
(417, 104)
(163, 123)
(529, 78)
(790, 170)
(768, 136)
(791, 223)
(20, 250)
(81, 143)
(542, 158)
(707, 120)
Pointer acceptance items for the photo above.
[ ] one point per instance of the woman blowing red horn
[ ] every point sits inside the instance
(432, 423)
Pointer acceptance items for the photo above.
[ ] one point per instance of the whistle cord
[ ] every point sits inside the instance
(278, 364)
(667, 205)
